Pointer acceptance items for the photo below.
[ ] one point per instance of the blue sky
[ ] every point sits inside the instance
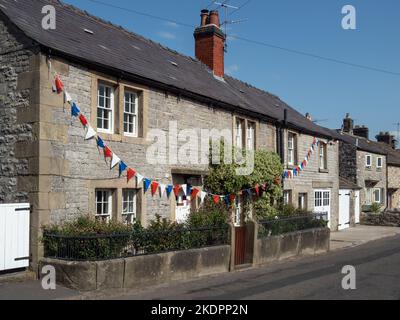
(326, 90)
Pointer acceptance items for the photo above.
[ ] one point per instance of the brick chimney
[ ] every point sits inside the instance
(348, 124)
(361, 131)
(387, 138)
(210, 42)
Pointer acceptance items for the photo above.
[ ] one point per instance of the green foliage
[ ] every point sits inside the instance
(376, 208)
(95, 243)
(88, 225)
(223, 178)
(210, 214)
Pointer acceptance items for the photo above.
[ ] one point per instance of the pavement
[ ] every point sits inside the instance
(361, 234)
(374, 251)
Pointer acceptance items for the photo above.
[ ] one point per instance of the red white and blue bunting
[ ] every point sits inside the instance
(155, 187)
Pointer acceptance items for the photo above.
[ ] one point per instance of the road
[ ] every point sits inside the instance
(377, 266)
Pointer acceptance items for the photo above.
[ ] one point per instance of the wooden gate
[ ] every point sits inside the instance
(240, 246)
(14, 236)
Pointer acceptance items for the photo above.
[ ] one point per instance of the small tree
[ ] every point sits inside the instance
(268, 169)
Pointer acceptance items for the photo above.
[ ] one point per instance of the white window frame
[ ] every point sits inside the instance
(129, 213)
(251, 132)
(134, 114)
(323, 153)
(239, 132)
(291, 147)
(379, 166)
(374, 195)
(368, 156)
(318, 199)
(110, 110)
(303, 200)
(104, 215)
(287, 197)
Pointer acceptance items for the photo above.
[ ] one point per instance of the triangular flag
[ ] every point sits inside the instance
(107, 153)
(130, 174)
(83, 120)
(232, 198)
(194, 194)
(75, 110)
(203, 195)
(146, 184)
(59, 85)
(115, 160)
(122, 167)
(90, 133)
(226, 200)
(162, 189)
(139, 178)
(257, 188)
(185, 189)
(100, 143)
(169, 190)
(67, 97)
(177, 188)
(216, 199)
(154, 187)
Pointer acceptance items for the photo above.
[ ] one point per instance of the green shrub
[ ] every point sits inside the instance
(86, 239)
(376, 208)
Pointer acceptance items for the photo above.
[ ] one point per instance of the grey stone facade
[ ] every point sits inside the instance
(312, 178)
(15, 61)
(393, 185)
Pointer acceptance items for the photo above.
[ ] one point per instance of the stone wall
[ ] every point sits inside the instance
(348, 161)
(139, 272)
(15, 95)
(364, 173)
(389, 219)
(312, 178)
(307, 242)
(394, 184)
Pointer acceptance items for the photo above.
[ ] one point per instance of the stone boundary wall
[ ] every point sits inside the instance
(141, 271)
(387, 219)
(307, 242)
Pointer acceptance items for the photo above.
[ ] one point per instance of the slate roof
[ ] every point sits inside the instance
(114, 48)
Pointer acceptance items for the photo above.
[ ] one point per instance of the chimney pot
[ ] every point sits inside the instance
(204, 17)
(214, 18)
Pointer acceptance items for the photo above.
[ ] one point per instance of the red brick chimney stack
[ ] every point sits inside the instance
(210, 42)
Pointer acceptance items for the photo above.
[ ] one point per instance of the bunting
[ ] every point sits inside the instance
(188, 190)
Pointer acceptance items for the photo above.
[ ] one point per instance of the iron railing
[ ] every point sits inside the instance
(282, 225)
(143, 242)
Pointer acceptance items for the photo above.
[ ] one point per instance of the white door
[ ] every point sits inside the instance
(357, 206)
(344, 209)
(14, 236)
(322, 203)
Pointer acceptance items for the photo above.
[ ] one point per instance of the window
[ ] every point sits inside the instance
(105, 108)
(291, 149)
(377, 195)
(322, 156)
(303, 201)
(251, 141)
(104, 204)
(131, 114)
(368, 161)
(326, 199)
(240, 134)
(318, 199)
(129, 205)
(379, 163)
(287, 197)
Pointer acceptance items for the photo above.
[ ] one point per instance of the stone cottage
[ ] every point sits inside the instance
(364, 163)
(128, 87)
